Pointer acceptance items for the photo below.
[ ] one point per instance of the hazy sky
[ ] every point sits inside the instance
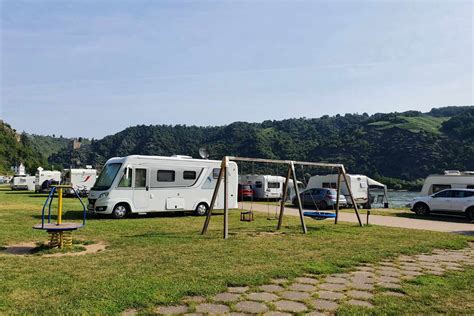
(92, 68)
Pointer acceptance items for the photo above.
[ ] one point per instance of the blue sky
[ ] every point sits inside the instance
(92, 68)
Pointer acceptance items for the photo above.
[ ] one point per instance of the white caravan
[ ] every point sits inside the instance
(268, 186)
(450, 179)
(44, 178)
(142, 184)
(22, 182)
(361, 187)
(82, 180)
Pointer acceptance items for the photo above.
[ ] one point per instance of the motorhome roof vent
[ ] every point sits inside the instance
(182, 157)
(452, 172)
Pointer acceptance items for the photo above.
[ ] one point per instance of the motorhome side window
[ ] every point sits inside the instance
(189, 175)
(126, 181)
(166, 176)
(215, 172)
(440, 187)
(140, 178)
(258, 184)
(273, 185)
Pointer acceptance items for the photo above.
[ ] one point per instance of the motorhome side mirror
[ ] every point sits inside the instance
(126, 172)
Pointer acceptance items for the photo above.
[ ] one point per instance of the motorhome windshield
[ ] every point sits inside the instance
(107, 176)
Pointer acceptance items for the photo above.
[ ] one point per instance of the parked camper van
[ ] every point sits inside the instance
(22, 182)
(142, 184)
(82, 180)
(45, 178)
(361, 187)
(268, 187)
(264, 186)
(450, 179)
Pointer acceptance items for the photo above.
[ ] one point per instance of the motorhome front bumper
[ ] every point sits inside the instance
(92, 207)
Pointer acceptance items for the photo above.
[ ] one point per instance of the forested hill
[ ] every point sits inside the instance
(16, 148)
(404, 146)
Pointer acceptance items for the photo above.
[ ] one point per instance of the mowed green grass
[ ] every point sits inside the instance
(156, 260)
(427, 123)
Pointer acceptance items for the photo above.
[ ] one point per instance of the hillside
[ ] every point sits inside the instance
(393, 147)
(15, 149)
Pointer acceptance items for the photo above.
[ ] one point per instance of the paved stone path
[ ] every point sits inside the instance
(318, 295)
(391, 221)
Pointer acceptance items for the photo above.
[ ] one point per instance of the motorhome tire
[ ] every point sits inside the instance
(201, 209)
(470, 213)
(421, 209)
(120, 211)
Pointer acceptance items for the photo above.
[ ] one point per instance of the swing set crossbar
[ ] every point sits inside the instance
(287, 162)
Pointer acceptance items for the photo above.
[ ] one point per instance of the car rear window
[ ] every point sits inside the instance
(246, 187)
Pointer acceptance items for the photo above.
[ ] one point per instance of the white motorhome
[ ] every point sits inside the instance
(142, 184)
(44, 178)
(82, 180)
(268, 186)
(450, 179)
(22, 182)
(361, 187)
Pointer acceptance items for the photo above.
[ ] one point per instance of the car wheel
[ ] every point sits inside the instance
(421, 209)
(201, 209)
(470, 213)
(120, 211)
(324, 205)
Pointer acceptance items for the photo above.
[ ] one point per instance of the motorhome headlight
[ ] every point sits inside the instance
(103, 195)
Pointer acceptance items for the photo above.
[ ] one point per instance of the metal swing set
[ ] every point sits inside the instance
(291, 173)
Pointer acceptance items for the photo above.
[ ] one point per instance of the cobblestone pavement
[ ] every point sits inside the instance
(318, 295)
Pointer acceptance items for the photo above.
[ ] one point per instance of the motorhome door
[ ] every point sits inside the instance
(141, 194)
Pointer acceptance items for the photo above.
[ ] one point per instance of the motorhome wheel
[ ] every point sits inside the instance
(201, 209)
(120, 211)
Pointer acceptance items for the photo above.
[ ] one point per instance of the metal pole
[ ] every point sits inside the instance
(226, 204)
(285, 189)
(338, 193)
(300, 207)
(214, 197)
(60, 206)
(352, 196)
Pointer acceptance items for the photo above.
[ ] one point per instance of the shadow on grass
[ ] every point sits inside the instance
(20, 192)
(78, 215)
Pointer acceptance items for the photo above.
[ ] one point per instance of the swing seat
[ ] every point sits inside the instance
(319, 215)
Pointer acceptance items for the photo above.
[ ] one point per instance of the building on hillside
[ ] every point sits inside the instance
(76, 143)
(19, 170)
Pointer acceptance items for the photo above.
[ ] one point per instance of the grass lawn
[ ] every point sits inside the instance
(159, 259)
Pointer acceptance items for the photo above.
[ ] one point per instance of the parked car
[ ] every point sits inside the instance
(245, 192)
(322, 198)
(455, 201)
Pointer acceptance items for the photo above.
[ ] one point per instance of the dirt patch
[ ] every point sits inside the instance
(22, 249)
(25, 249)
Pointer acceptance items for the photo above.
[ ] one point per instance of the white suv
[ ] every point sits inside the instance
(446, 201)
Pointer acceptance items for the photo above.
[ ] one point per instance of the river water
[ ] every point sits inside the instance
(401, 198)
